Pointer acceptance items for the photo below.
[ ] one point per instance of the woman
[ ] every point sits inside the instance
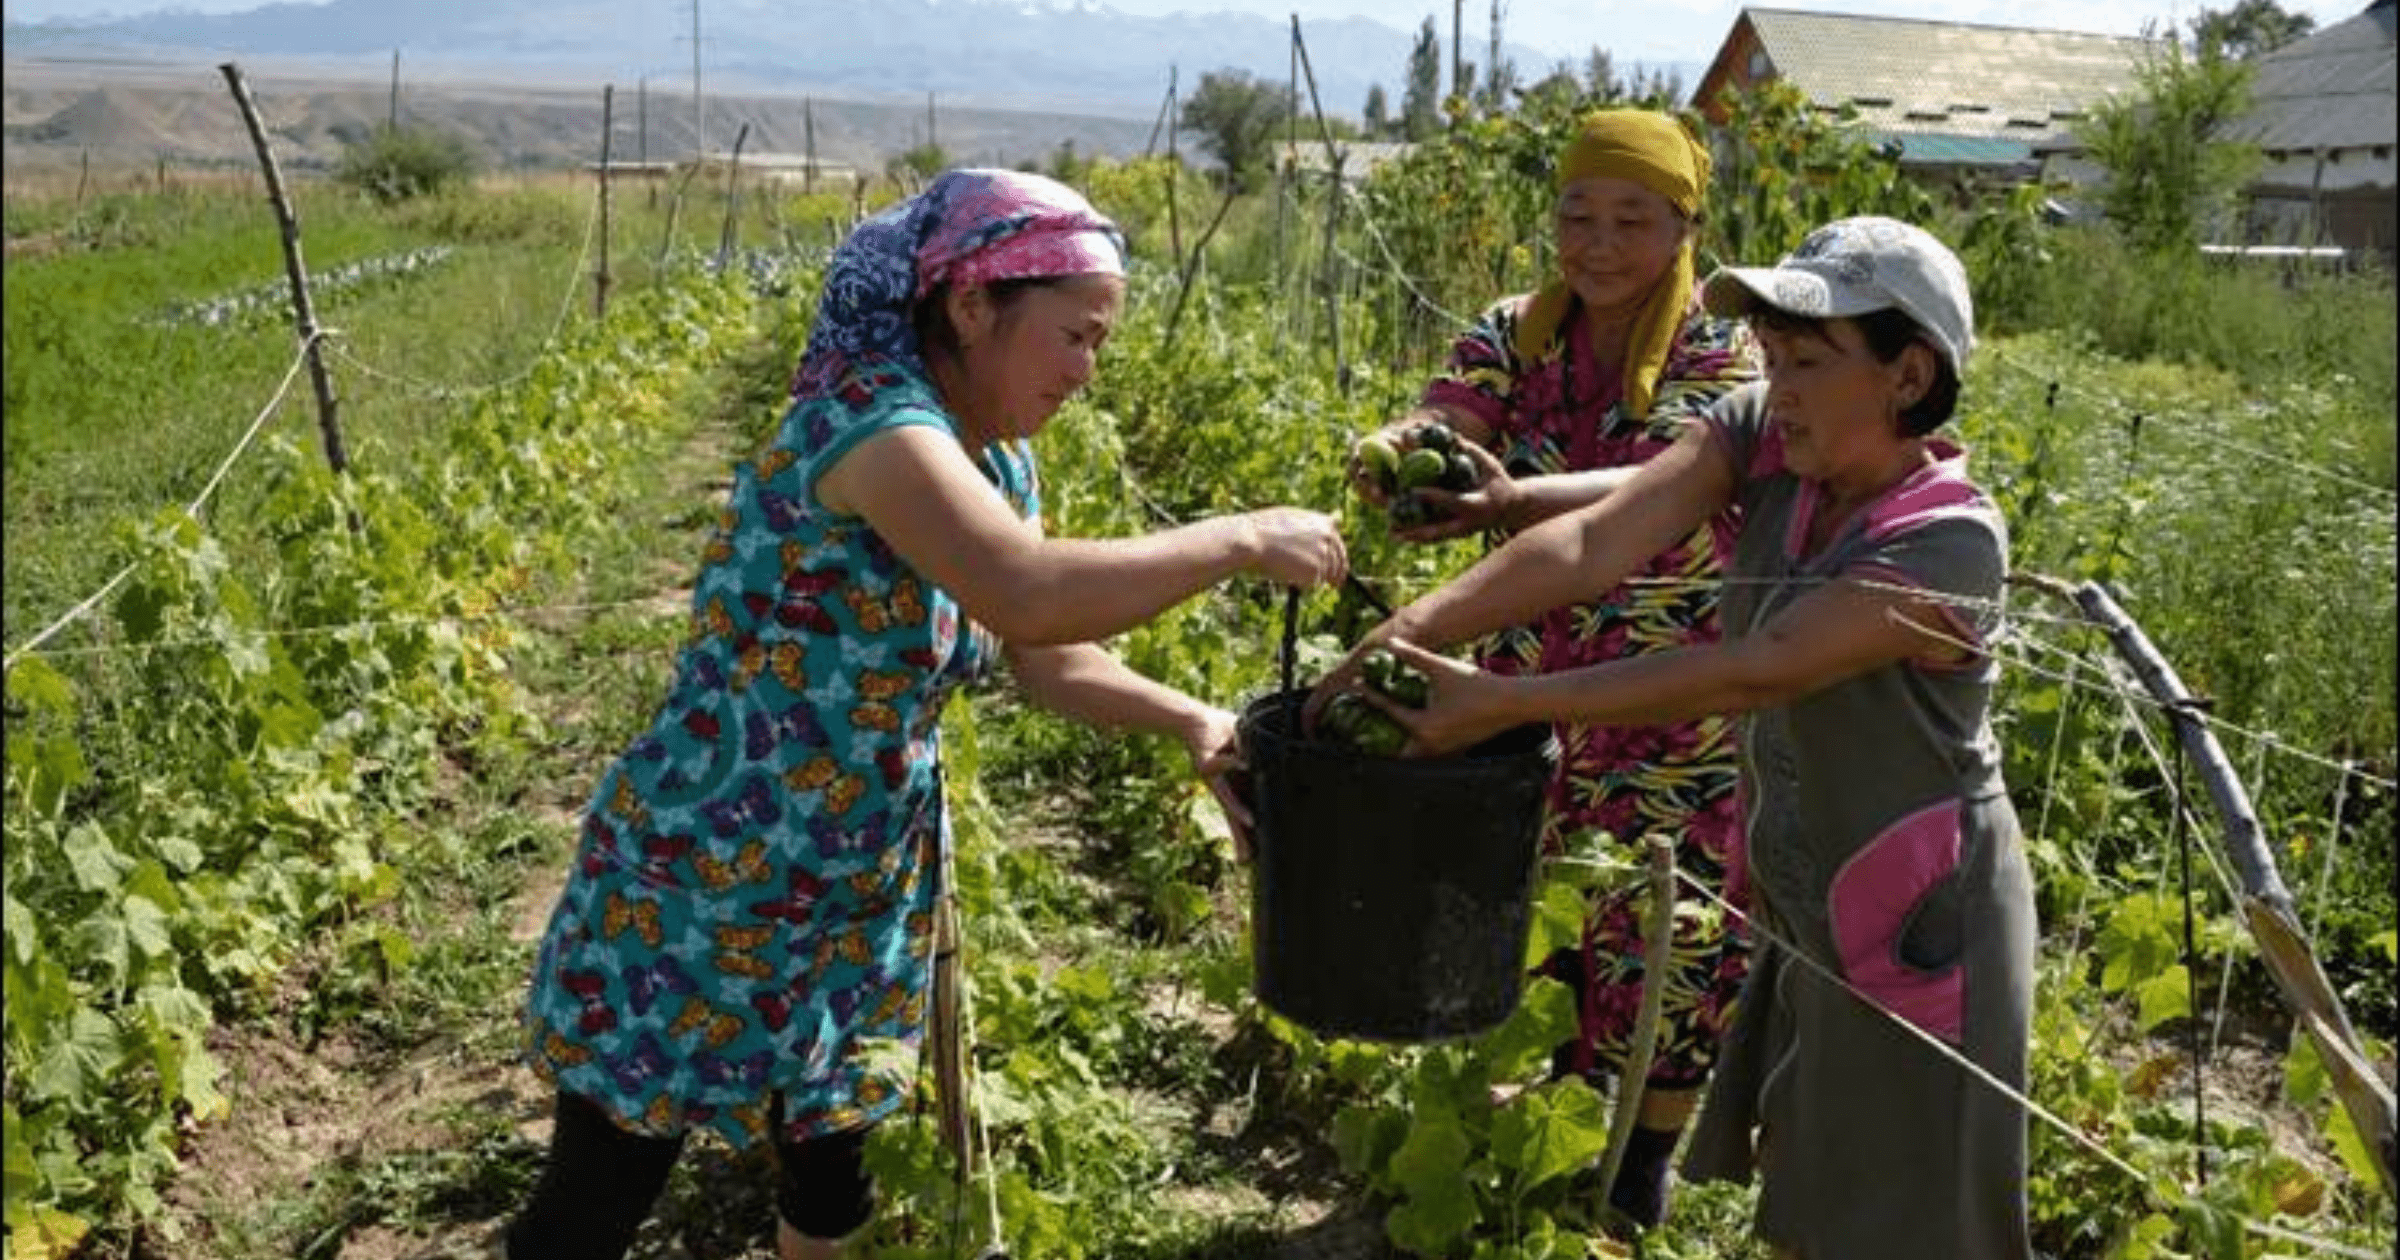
(1574, 387)
(1882, 849)
(751, 905)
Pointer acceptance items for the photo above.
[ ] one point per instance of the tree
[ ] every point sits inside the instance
(1558, 89)
(1377, 113)
(1421, 104)
(1600, 75)
(398, 163)
(2171, 172)
(1236, 117)
(2247, 29)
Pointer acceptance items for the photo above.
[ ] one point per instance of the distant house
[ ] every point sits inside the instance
(2322, 111)
(1966, 105)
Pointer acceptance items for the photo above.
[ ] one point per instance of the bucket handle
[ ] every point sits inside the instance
(1291, 635)
(1291, 619)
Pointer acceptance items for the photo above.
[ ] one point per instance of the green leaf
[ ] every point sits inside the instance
(1431, 1169)
(24, 936)
(1550, 1131)
(1366, 1137)
(2165, 996)
(146, 926)
(1544, 1018)
(78, 1063)
(95, 863)
(2304, 1075)
(2343, 1134)
(101, 938)
(179, 853)
(32, 683)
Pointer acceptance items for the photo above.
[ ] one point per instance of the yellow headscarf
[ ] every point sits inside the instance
(1660, 153)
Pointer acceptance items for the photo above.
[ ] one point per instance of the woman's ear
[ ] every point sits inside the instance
(971, 313)
(1915, 371)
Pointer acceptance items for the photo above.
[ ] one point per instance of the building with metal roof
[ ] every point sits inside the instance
(1963, 102)
(2322, 114)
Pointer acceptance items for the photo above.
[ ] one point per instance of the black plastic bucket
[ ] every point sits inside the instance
(1390, 897)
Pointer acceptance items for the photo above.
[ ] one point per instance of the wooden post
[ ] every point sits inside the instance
(83, 180)
(2266, 904)
(699, 119)
(1458, 62)
(733, 173)
(608, 128)
(304, 315)
(808, 124)
(1333, 213)
(1191, 266)
(1642, 1049)
(1174, 168)
(391, 120)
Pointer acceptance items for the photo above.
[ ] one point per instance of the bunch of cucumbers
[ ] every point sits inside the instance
(1352, 720)
(1428, 457)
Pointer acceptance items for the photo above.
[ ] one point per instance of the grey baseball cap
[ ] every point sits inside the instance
(1854, 266)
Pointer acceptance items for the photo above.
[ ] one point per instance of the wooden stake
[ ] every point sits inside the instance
(1642, 1049)
(733, 172)
(1333, 213)
(608, 118)
(304, 315)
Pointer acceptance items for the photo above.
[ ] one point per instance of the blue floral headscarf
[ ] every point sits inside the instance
(968, 226)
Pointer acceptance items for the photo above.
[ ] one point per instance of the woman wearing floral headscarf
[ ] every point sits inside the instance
(752, 900)
(1561, 394)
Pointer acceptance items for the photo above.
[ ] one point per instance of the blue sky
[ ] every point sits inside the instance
(1653, 31)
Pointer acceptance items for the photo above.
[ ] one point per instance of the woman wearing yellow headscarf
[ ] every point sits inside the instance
(1560, 394)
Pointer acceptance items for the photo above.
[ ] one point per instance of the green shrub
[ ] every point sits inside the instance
(399, 163)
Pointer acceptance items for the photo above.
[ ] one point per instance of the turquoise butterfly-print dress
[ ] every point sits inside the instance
(751, 906)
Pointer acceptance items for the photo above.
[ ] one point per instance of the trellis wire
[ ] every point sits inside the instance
(566, 307)
(83, 609)
(1977, 1072)
(2097, 402)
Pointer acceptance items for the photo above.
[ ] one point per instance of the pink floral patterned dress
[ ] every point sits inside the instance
(1560, 414)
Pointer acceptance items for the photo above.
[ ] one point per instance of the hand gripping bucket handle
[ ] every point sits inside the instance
(1390, 897)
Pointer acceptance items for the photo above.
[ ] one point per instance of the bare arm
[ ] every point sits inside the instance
(1833, 633)
(1571, 557)
(1088, 683)
(918, 489)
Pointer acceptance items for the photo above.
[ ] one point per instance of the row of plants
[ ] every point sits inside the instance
(236, 768)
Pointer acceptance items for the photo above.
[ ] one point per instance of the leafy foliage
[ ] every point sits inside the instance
(405, 162)
(2173, 170)
(1237, 118)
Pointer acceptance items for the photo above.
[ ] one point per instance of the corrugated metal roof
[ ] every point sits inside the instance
(1920, 148)
(1915, 75)
(2331, 90)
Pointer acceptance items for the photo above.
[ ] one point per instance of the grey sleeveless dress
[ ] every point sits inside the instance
(1883, 846)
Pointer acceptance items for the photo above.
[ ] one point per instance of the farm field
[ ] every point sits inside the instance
(287, 803)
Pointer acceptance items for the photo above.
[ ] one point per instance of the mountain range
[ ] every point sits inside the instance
(1076, 56)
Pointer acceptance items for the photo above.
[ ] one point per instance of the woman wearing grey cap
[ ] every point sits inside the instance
(1887, 877)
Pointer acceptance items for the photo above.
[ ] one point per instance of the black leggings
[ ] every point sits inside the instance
(602, 1181)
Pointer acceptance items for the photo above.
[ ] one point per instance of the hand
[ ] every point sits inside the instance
(1344, 675)
(1298, 547)
(1464, 706)
(1492, 504)
(1214, 744)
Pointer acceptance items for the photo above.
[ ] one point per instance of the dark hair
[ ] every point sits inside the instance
(1887, 332)
(931, 318)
